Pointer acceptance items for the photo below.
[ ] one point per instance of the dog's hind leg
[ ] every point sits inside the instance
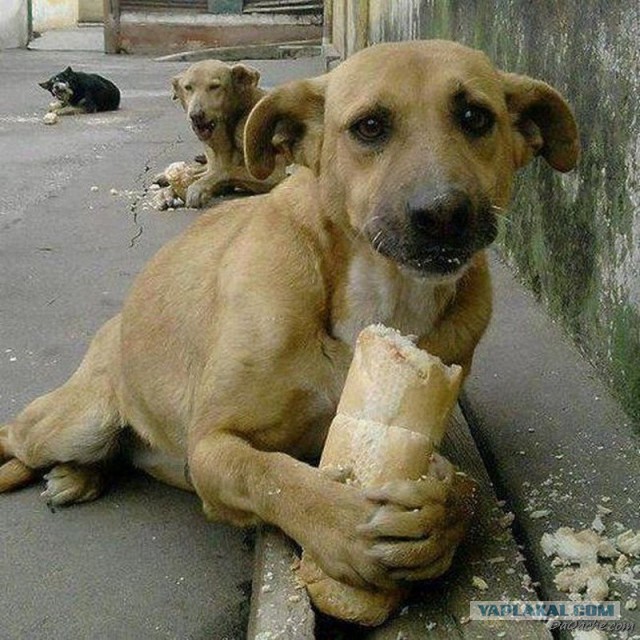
(70, 431)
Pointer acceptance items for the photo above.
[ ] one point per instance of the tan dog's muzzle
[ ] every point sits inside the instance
(202, 126)
(436, 230)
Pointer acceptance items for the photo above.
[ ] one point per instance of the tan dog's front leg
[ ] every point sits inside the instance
(204, 188)
(241, 484)
(406, 530)
(215, 180)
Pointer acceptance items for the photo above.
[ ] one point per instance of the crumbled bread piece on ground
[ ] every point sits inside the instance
(576, 579)
(578, 547)
(629, 543)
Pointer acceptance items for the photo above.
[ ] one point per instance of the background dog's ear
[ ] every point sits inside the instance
(46, 85)
(245, 76)
(68, 70)
(543, 122)
(176, 88)
(290, 121)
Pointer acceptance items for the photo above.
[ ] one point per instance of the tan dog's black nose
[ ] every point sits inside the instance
(444, 213)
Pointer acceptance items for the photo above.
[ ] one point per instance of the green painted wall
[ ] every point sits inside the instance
(573, 239)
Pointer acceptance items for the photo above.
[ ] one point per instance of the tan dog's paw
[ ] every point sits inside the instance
(419, 524)
(337, 547)
(198, 195)
(67, 483)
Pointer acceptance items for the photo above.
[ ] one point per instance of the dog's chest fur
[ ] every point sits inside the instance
(379, 293)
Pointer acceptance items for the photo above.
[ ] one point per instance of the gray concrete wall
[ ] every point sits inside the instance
(54, 14)
(574, 239)
(14, 26)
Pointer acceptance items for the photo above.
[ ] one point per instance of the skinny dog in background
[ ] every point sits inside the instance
(232, 348)
(78, 92)
(217, 98)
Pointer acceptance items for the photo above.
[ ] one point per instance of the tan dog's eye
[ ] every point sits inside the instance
(213, 87)
(476, 121)
(369, 129)
(188, 87)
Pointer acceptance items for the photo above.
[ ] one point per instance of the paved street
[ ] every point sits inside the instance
(75, 228)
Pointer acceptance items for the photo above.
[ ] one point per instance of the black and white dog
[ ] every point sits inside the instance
(77, 92)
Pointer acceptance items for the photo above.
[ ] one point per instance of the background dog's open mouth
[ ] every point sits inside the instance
(203, 129)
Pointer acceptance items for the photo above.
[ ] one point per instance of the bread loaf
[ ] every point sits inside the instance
(393, 412)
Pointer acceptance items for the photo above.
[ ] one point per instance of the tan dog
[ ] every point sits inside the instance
(232, 348)
(218, 98)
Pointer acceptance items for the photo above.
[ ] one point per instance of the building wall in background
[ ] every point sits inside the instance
(574, 239)
(54, 14)
(14, 24)
(90, 11)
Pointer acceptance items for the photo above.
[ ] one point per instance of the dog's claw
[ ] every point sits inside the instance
(68, 483)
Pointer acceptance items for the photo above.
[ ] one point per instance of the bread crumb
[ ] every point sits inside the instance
(593, 634)
(50, 117)
(631, 604)
(507, 520)
(479, 583)
(567, 544)
(597, 588)
(597, 525)
(629, 543)
(540, 513)
(622, 563)
(578, 579)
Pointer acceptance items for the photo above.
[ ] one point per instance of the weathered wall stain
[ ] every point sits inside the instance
(574, 239)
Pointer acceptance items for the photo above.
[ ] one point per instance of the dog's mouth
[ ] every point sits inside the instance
(61, 91)
(203, 128)
(427, 256)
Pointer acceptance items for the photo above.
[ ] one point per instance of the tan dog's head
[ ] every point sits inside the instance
(211, 92)
(418, 143)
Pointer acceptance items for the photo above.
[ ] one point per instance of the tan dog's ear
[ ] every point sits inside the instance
(543, 121)
(290, 121)
(245, 76)
(177, 88)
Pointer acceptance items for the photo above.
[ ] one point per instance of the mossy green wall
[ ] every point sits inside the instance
(574, 239)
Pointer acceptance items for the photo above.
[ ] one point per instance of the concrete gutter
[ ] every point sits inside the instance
(280, 607)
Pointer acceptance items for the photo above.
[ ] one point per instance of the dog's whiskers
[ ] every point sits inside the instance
(375, 239)
(362, 232)
(501, 211)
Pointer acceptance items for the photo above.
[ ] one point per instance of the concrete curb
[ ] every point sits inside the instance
(276, 51)
(280, 606)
